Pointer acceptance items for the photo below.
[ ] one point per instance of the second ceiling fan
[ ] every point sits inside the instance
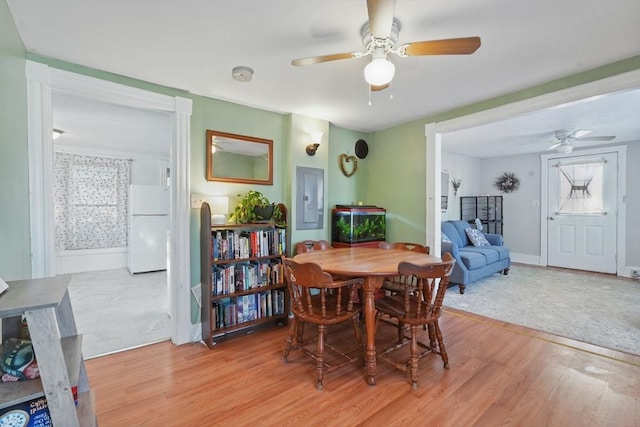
(379, 36)
(566, 138)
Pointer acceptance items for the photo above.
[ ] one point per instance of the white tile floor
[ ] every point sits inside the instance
(115, 310)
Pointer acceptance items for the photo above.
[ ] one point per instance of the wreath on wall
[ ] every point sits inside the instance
(344, 160)
(507, 182)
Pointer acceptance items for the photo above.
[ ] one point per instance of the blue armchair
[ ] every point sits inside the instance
(473, 262)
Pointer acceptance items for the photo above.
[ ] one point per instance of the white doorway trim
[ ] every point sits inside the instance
(42, 81)
(435, 135)
(621, 213)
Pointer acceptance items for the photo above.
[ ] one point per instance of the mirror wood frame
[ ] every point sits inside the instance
(241, 180)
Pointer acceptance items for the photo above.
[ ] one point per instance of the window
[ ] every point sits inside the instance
(91, 195)
(581, 188)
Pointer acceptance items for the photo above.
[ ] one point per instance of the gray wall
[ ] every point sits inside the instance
(521, 209)
(467, 170)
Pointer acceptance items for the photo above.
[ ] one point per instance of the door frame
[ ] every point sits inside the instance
(42, 81)
(621, 211)
(435, 138)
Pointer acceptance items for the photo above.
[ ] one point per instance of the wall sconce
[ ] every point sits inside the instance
(219, 209)
(316, 138)
(57, 133)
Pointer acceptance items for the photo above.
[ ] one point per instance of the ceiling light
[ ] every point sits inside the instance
(565, 149)
(380, 70)
(57, 133)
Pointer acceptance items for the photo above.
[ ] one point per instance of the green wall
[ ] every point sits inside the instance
(15, 249)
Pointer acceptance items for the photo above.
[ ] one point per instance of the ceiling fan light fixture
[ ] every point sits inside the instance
(565, 149)
(380, 70)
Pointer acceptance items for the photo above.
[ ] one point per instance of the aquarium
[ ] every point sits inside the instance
(358, 224)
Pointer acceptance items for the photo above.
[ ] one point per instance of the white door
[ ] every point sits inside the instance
(582, 217)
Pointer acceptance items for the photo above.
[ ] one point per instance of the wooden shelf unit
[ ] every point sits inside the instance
(47, 309)
(487, 208)
(253, 303)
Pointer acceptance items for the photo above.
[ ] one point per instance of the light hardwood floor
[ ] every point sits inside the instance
(500, 374)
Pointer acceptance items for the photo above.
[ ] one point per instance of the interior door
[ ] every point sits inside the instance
(582, 216)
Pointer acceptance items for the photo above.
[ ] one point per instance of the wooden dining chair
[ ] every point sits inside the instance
(319, 299)
(397, 283)
(414, 307)
(312, 245)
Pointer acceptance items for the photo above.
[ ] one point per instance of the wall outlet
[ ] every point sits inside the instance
(197, 200)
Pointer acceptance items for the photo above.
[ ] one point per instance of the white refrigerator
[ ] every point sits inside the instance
(148, 228)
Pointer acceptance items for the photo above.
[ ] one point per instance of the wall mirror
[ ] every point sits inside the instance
(239, 158)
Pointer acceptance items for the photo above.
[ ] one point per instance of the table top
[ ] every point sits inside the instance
(359, 261)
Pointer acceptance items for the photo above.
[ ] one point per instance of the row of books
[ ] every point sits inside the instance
(230, 278)
(243, 244)
(245, 308)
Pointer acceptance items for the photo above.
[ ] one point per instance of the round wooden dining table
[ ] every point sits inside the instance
(373, 265)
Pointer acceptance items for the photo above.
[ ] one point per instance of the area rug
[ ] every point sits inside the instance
(593, 308)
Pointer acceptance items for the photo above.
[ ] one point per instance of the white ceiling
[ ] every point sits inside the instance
(194, 44)
(89, 124)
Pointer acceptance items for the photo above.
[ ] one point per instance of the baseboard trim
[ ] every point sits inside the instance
(525, 259)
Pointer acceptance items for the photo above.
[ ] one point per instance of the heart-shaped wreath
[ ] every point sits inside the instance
(344, 160)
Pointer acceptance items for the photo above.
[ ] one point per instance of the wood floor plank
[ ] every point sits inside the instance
(500, 374)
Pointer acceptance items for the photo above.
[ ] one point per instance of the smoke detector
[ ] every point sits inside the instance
(242, 73)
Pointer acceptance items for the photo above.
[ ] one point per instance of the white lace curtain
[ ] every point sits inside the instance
(90, 201)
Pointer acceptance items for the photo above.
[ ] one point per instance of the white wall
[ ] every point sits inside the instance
(633, 205)
(467, 169)
(145, 169)
(520, 209)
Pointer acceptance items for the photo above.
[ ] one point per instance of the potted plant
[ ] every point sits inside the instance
(253, 207)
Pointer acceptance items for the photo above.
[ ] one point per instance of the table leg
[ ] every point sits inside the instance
(371, 283)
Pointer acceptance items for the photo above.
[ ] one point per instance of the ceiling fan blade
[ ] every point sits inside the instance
(379, 87)
(554, 146)
(579, 133)
(596, 138)
(325, 58)
(381, 17)
(459, 46)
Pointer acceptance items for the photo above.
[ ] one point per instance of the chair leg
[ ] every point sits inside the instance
(443, 351)
(320, 353)
(292, 332)
(356, 330)
(400, 332)
(414, 357)
(461, 286)
(432, 335)
(300, 335)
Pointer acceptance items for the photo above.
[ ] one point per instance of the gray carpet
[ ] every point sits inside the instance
(115, 310)
(593, 308)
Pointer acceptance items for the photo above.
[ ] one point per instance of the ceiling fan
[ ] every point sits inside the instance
(379, 36)
(566, 138)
